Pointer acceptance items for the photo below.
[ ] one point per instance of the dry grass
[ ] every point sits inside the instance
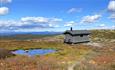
(30, 63)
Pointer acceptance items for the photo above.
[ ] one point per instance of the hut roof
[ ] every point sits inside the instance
(77, 32)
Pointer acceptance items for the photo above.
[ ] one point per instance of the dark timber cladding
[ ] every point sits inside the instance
(76, 36)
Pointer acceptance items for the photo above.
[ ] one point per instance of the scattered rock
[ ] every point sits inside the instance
(94, 44)
(113, 40)
(5, 53)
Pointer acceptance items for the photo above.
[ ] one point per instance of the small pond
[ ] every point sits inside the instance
(33, 52)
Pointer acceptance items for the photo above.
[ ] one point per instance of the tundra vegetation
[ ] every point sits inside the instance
(99, 54)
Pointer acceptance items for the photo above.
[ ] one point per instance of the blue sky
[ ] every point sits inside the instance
(56, 15)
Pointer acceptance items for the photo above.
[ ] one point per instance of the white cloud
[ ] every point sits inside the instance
(41, 19)
(90, 19)
(17, 25)
(52, 25)
(35, 19)
(56, 19)
(28, 23)
(112, 16)
(5, 1)
(74, 10)
(69, 24)
(111, 9)
(12, 23)
(111, 6)
(4, 10)
(113, 26)
(102, 25)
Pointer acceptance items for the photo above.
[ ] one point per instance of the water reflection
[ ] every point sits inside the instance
(34, 52)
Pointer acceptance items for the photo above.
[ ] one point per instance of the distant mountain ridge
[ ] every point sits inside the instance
(32, 33)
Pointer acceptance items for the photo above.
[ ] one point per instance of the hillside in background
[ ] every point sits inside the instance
(95, 35)
(105, 34)
(27, 35)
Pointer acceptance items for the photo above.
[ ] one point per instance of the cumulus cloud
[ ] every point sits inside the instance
(12, 23)
(111, 6)
(112, 16)
(102, 25)
(41, 19)
(90, 19)
(15, 25)
(111, 9)
(28, 23)
(74, 10)
(35, 19)
(69, 24)
(4, 10)
(53, 26)
(113, 27)
(5, 1)
(56, 19)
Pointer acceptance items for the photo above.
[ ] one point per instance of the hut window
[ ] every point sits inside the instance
(81, 35)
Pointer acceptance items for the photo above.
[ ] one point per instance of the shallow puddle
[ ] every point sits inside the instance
(33, 52)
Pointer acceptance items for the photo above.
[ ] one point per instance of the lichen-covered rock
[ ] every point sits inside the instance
(5, 53)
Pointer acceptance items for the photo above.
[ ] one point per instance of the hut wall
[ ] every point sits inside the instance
(68, 38)
(80, 38)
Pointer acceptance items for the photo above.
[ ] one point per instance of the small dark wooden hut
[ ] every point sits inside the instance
(76, 36)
